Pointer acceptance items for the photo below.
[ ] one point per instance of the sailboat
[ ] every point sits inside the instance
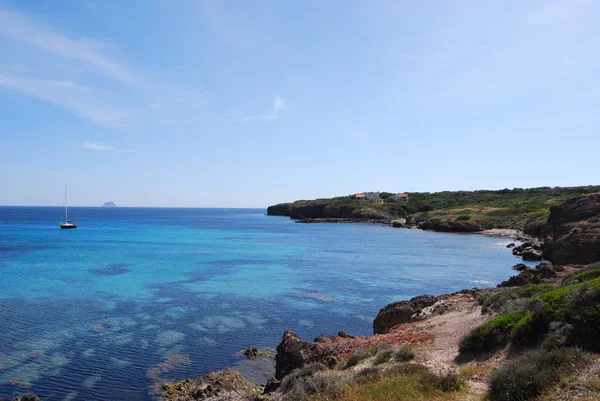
(67, 223)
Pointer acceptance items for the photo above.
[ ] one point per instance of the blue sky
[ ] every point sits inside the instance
(246, 104)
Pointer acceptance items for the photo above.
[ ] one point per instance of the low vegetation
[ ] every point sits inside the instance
(505, 208)
(527, 377)
(405, 381)
(553, 325)
(493, 333)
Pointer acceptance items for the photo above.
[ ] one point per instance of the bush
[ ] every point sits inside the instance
(506, 299)
(491, 334)
(526, 377)
(581, 277)
(383, 356)
(404, 354)
(304, 387)
(464, 217)
(451, 383)
(367, 374)
(583, 314)
(355, 358)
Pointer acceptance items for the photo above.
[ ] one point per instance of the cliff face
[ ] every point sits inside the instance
(325, 210)
(575, 230)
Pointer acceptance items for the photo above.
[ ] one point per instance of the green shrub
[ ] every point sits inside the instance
(501, 300)
(354, 359)
(526, 377)
(581, 277)
(493, 333)
(464, 217)
(528, 330)
(555, 302)
(451, 383)
(383, 357)
(583, 314)
(404, 354)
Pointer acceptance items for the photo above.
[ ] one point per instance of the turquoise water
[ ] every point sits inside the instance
(136, 296)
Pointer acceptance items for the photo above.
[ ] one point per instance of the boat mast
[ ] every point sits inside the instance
(66, 209)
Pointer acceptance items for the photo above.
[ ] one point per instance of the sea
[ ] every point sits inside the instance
(135, 297)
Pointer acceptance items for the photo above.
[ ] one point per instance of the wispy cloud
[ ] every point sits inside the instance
(24, 30)
(276, 109)
(101, 146)
(169, 70)
(79, 99)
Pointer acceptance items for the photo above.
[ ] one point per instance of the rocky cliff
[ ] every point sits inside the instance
(575, 231)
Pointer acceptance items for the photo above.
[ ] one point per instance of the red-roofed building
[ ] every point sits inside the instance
(403, 197)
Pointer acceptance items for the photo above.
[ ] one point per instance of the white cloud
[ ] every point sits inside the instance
(101, 146)
(276, 109)
(79, 99)
(24, 30)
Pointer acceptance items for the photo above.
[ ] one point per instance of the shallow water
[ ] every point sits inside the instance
(135, 295)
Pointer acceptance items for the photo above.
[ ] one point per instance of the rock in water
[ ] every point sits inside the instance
(27, 397)
(253, 352)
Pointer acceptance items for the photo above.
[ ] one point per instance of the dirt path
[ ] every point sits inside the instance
(440, 354)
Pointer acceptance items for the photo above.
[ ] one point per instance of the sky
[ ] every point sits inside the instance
(250, 103)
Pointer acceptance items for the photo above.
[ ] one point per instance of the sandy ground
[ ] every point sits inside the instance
(441, 354)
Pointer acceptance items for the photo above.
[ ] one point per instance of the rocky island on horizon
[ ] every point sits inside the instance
(109, 204)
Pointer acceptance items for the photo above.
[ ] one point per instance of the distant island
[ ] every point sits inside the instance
(109, 204)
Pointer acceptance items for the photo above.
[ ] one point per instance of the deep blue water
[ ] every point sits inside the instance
(139, 295)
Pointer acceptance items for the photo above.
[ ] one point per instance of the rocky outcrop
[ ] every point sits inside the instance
(458, 226)
(225, 385)
(401, 312)
(541, 273)
(253, 352)
(575, 227)
(26, 397)
(341, 220)
(325, 210)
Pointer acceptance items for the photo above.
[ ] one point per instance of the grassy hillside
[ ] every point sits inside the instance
(506, 208)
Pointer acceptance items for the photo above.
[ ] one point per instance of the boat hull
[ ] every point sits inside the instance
(68, 226)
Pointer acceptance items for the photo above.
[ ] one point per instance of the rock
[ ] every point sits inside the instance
(438, 308)
(343, 334)
(520, 267)
(575, 231)
(401, 312)
(531, 254)
(253, 352)
(450, 226)
(271, 386)
(322, 338)
(543, 271)
(27, 397)
(511, 245)
(225, 385)
(289, 354)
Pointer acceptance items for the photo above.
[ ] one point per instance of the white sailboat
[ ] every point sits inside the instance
(67, 223)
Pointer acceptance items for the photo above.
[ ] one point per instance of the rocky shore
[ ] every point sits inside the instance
(475, 344)
(432, 325)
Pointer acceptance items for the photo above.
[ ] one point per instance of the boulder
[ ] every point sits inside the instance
(27, 397)
(450, 226)
(511, 245)
(575, 231)
(289, 354)
(531, 254)
(520, 267)
(401, 312)
(343, 334)
(225, 385)
(253, 352)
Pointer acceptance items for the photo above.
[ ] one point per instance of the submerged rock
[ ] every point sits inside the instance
(253, 352)
(26, 397)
